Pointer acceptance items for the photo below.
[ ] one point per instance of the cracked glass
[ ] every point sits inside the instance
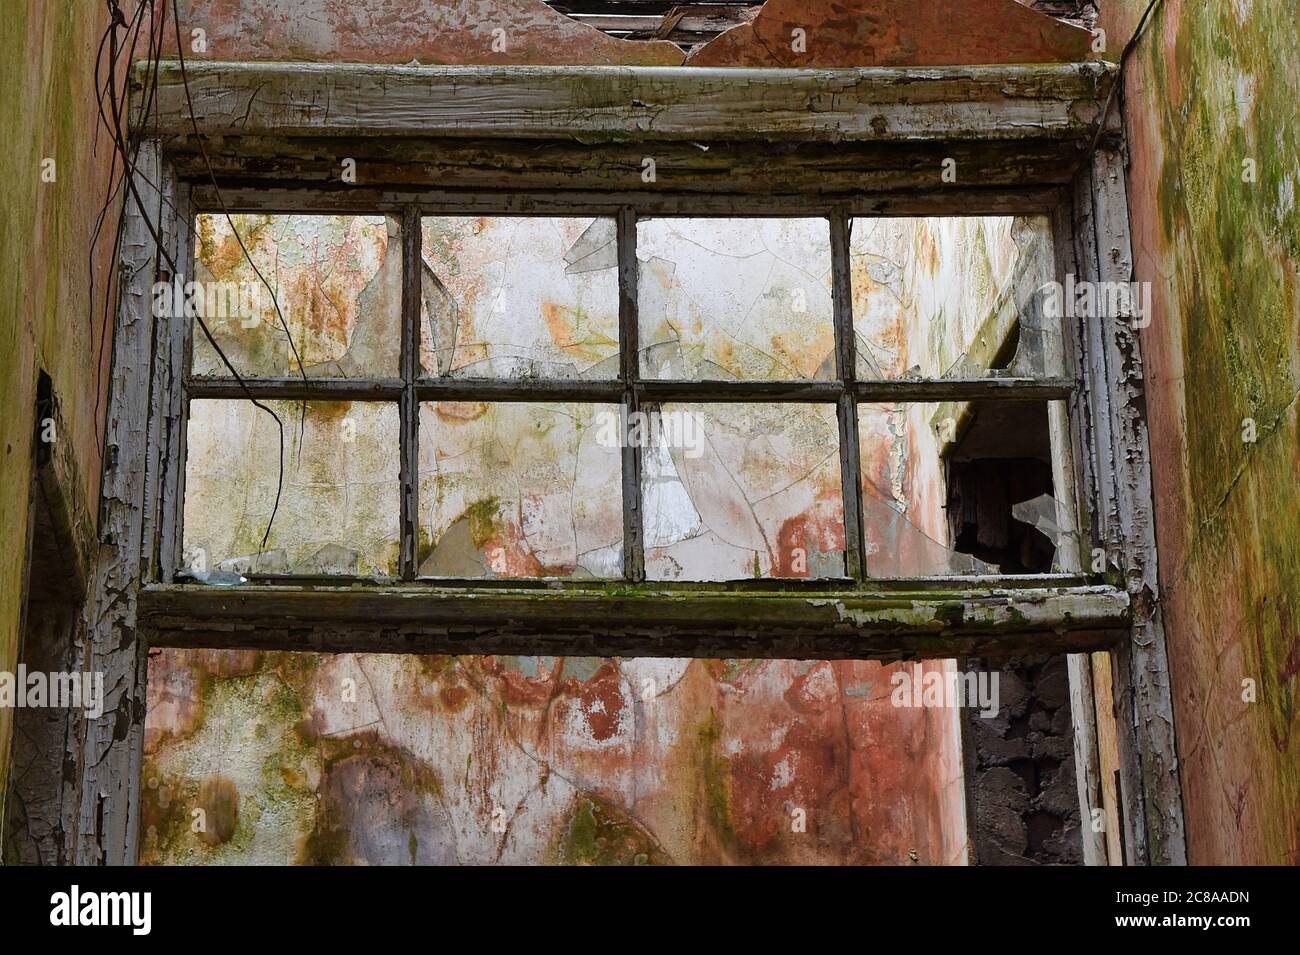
(961, 488)
(736, 491)
(740, 299)
(520, 489)
(730, 491)
(338, 283)
(338, 510)
(953, 297)
(519, 297)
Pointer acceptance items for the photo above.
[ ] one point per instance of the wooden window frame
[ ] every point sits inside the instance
(629, 391)
(868, 142)
(851, 616)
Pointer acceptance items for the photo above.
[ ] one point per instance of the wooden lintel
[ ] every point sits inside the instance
(251, 194)
(606, 103)
(636, 620)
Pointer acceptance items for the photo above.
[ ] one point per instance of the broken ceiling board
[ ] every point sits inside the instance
(686, 24)
(499, 32)
(637, 620)
(838, 33)
(603, 104)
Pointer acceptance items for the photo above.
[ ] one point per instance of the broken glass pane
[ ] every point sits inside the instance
(735, 491)
(735, 299)
(953, 297)
(517, 489)
(961, 488)
(519, 297)
(339, 293)
(338, 511)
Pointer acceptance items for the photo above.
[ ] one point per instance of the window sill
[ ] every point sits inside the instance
(914, 619)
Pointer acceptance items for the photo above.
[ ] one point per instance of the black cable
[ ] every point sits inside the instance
(128, 154)
(1119, 72)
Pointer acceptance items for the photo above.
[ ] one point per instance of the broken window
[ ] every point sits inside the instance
(299, 294)
(743, 490)
(735, 298)
(518, 489)
(961, 488)
(608, 396)
(954, 297)
(336, 509)
(803, 403)
(519, 297)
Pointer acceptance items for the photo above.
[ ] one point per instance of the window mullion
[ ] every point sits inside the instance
(629, 375)
(847, 405)
(409, 410)
(172, 554)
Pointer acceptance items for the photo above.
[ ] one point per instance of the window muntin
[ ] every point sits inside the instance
(592, 332)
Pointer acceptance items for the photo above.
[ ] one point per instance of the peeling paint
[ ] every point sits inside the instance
(401, 759)
(1212, 86)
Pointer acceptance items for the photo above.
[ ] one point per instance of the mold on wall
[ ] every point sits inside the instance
(365, 758)
(1212, 112)
(48, 210)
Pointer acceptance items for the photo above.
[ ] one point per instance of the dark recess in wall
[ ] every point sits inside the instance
(1023, 803)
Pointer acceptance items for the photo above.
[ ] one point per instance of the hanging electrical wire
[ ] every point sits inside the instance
(124, 174)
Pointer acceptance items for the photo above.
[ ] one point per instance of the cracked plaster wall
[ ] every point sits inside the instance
(45, 320)
(1210, 86)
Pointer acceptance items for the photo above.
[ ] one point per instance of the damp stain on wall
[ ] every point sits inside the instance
(1214, 128)
(348, 759)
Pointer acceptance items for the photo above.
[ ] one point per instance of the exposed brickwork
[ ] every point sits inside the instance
(1023, 802)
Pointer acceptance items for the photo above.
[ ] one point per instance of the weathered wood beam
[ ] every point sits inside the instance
(1070, 474)
(637, 620)
(108, 830)
(290, 388)
(298, 389)
(965, 389)
(1125, 525)
(409, 411)
(290, 199)
(594, 104)
(759, 168)
(631, 460)
(846, 412)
